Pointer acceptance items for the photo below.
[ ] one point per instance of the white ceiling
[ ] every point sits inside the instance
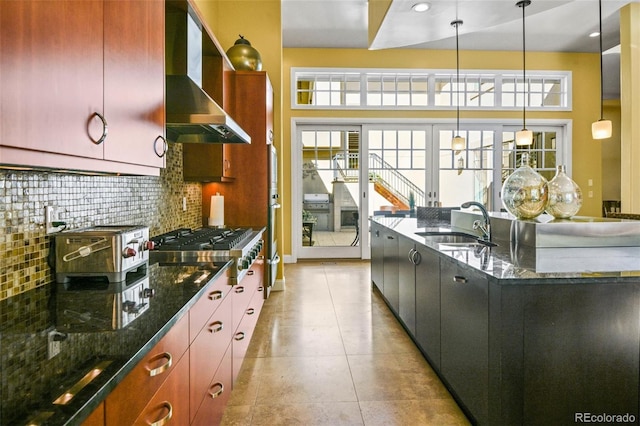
(551, 25)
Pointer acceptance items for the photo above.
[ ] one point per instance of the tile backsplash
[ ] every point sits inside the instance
(83, 201)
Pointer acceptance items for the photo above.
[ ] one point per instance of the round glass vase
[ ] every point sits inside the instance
(524, 192)
(565, 196)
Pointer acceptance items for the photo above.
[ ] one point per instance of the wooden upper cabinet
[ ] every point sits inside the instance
(67, 63)
(134, 81)
(51, 82)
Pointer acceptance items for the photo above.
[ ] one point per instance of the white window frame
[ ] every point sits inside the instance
(565, 78)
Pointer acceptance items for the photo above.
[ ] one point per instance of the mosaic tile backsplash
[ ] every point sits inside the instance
(83, 201)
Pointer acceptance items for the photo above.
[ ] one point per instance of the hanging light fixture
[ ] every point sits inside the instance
(524, 136)
(601, 129)
(458, 142)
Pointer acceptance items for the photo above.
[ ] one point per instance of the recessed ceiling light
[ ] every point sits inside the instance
(594, 34)
(421, 7)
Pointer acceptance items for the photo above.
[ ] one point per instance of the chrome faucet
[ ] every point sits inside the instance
(485, 225)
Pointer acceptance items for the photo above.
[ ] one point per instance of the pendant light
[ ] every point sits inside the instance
(458, 142)
(601, 129)
(524, 136)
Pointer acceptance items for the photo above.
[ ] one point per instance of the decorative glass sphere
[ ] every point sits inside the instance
(565, 196)
(525, 192)
(243, 56)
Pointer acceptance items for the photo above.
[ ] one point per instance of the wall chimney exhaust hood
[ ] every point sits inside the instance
(191, 115)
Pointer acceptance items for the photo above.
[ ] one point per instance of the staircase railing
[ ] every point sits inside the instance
(380, 172)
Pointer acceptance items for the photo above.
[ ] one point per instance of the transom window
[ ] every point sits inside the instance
(319, 88)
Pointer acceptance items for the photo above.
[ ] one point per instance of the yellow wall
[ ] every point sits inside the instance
(586, 106)
(259, 22)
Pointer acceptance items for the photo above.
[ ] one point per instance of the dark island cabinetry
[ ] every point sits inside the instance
(377, 256)
(464, 328)
(515, 346)
(390, 270)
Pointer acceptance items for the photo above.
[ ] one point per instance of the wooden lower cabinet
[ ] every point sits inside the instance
(168, 405)
(218, 392)
(188, 376)
(96, 418)
(207, 351)
(131, 396)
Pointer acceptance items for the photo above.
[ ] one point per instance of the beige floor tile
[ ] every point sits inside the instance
(310, 379)
(238, 415)
(384, 377)
(376, 340)
(305, 341)
(328, 414)
(423, 412)
(328, 351)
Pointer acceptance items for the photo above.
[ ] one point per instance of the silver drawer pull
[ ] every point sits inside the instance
(164, 367)
(459, 279)
(239, 336)
(105, 129)
(251, 311)
(218, 392)
(215, 295)
(239, 290)
(216, 327)
(165, 419)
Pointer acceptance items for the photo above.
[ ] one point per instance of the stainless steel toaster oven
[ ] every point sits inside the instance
(101, 251)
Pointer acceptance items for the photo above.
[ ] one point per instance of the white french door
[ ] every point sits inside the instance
(328, 214)
(386, 168)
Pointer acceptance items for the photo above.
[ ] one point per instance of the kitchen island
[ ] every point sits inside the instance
(39, 390)
(517, 337)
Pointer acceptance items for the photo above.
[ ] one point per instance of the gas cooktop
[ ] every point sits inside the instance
(184, 239)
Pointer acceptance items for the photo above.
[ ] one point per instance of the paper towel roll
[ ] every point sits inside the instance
(216, 213)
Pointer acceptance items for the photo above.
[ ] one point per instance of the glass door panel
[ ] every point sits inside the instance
(468, 174)
(329, 192)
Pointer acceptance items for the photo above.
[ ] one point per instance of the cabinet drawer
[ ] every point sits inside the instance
(207, 350)
(200, 313)
(169, 405)
(96, 418)
(128, 399)
(217, 395)
(243, 334)
(244, 291)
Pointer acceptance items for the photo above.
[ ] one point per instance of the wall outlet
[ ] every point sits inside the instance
(53, 347)
(184, 204)
(51, 216)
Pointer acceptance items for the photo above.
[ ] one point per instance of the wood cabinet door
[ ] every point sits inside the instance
(244, 332)
(465, 336)
(204, 308)
(96, 418)
(51, 83)
(206, 353)
(213, 405)
(129, 398)
(134, 81)
(169, 405)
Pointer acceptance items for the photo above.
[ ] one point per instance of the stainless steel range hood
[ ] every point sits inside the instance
(191, 115)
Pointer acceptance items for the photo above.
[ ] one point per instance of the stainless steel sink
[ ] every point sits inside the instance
(456, 238)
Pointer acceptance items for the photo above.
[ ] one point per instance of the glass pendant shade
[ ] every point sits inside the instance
(524, 137)
(458, 143)
(565, 196)
(525, 191)
(601, 129)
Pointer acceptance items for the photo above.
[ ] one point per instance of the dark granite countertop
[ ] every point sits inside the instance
(30, 382)
(514, 265)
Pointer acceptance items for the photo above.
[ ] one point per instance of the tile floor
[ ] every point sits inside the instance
(327, 351)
